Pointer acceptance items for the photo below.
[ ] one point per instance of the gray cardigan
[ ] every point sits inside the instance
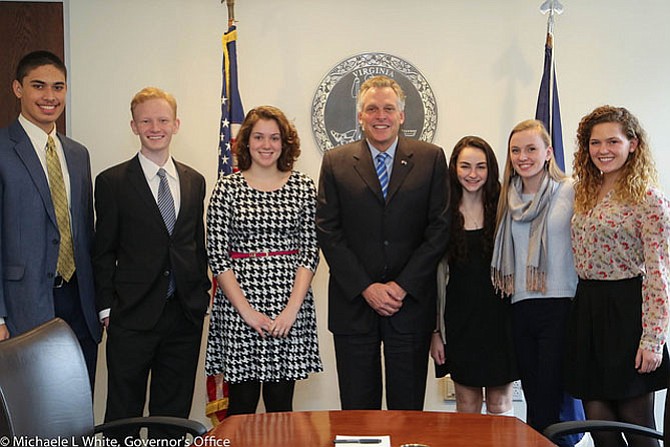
(442, 281)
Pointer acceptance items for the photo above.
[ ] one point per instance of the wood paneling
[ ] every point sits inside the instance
(26, 27)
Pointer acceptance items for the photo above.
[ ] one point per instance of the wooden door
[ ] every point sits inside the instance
(26, 27)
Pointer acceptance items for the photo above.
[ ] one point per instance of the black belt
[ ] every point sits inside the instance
(60, 282)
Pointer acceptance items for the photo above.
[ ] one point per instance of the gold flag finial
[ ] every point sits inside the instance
(231, 11)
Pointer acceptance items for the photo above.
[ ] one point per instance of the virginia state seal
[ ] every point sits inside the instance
(334, 114)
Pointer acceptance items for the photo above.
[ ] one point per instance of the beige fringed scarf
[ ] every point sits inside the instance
(534, 211)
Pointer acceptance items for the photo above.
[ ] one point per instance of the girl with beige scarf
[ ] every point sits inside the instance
(532, 263)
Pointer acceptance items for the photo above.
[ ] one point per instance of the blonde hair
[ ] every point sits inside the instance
(148, 93)
(638, 172)
(552, 168)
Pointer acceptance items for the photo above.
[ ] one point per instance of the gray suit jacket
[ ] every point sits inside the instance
(29, 238)
(367, 239)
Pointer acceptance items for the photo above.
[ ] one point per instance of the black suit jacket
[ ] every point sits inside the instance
(367, 239)
(134, 253)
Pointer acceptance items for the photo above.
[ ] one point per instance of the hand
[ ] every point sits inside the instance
(105, 322)
(379, 297)
(257, 321)
(282, 325)
(4, 332)
(437, 349)
(397, 292)
(647, 361)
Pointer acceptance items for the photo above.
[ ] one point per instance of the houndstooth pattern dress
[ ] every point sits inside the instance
(245, 220)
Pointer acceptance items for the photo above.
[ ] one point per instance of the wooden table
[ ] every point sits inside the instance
(318, 429)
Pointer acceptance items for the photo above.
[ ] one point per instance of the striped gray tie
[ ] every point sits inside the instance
(166, 202)
(166, 207)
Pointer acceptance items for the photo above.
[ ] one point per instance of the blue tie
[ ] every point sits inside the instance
(382, 172)
(166, 207)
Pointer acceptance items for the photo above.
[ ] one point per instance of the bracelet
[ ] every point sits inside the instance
(436, 331)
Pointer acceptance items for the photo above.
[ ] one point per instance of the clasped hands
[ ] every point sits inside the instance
(386, 299)
(264, 325)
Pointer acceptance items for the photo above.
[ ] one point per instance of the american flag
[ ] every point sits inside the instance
(232, 116)
(232, 113)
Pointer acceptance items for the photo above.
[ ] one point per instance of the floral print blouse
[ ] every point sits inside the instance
(616, 241)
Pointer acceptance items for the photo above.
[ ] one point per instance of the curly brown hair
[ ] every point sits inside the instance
(290, 149)
(639, 171)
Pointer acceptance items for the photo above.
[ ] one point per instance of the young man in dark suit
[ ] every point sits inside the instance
(151, 268)
(382, 225)
(46, 213)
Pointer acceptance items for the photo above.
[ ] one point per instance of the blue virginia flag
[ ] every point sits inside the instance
(549, 112)
(231, 104)
(548, 108)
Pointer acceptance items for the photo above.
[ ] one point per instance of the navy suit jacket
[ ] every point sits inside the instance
(30, 239)
(134, 253)
(367, 239)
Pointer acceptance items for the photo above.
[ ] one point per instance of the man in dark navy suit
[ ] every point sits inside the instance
(382, 225)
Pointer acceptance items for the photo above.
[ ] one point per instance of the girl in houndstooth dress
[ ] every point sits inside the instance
(262, 249)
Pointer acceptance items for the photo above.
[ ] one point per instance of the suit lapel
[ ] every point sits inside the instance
(25, 151)
(365, 168)
(139, 182)
(74, 172)
(185, 185)
(402, 165)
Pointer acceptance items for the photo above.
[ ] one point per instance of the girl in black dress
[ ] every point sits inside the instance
(473, 341)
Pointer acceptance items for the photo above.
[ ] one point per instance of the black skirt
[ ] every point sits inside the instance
(604, 330)
(479, 350)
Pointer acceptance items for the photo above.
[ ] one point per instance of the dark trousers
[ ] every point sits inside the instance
(67, 305)
(169, 352)
(359, 370)
(539, 329)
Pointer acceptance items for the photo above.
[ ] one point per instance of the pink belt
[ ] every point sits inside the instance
(262, 254)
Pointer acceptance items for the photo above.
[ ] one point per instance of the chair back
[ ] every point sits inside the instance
(44, 386)
(555, 431)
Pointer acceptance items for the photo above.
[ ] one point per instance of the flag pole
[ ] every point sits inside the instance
(551, 7)
(548, 107)
(232, 116)
(231, 11)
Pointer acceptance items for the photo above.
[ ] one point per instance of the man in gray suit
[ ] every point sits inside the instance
(382, 225)
(46, 213)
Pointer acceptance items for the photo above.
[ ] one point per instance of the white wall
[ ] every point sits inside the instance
(483, 59)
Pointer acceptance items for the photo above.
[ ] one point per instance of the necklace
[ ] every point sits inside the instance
(472, 221)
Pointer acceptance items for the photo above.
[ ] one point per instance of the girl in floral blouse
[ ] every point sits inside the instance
(617, 356)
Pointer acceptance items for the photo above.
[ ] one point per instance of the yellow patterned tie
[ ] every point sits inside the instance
(59, 197)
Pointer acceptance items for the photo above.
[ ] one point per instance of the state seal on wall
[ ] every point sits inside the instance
(334, 114)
